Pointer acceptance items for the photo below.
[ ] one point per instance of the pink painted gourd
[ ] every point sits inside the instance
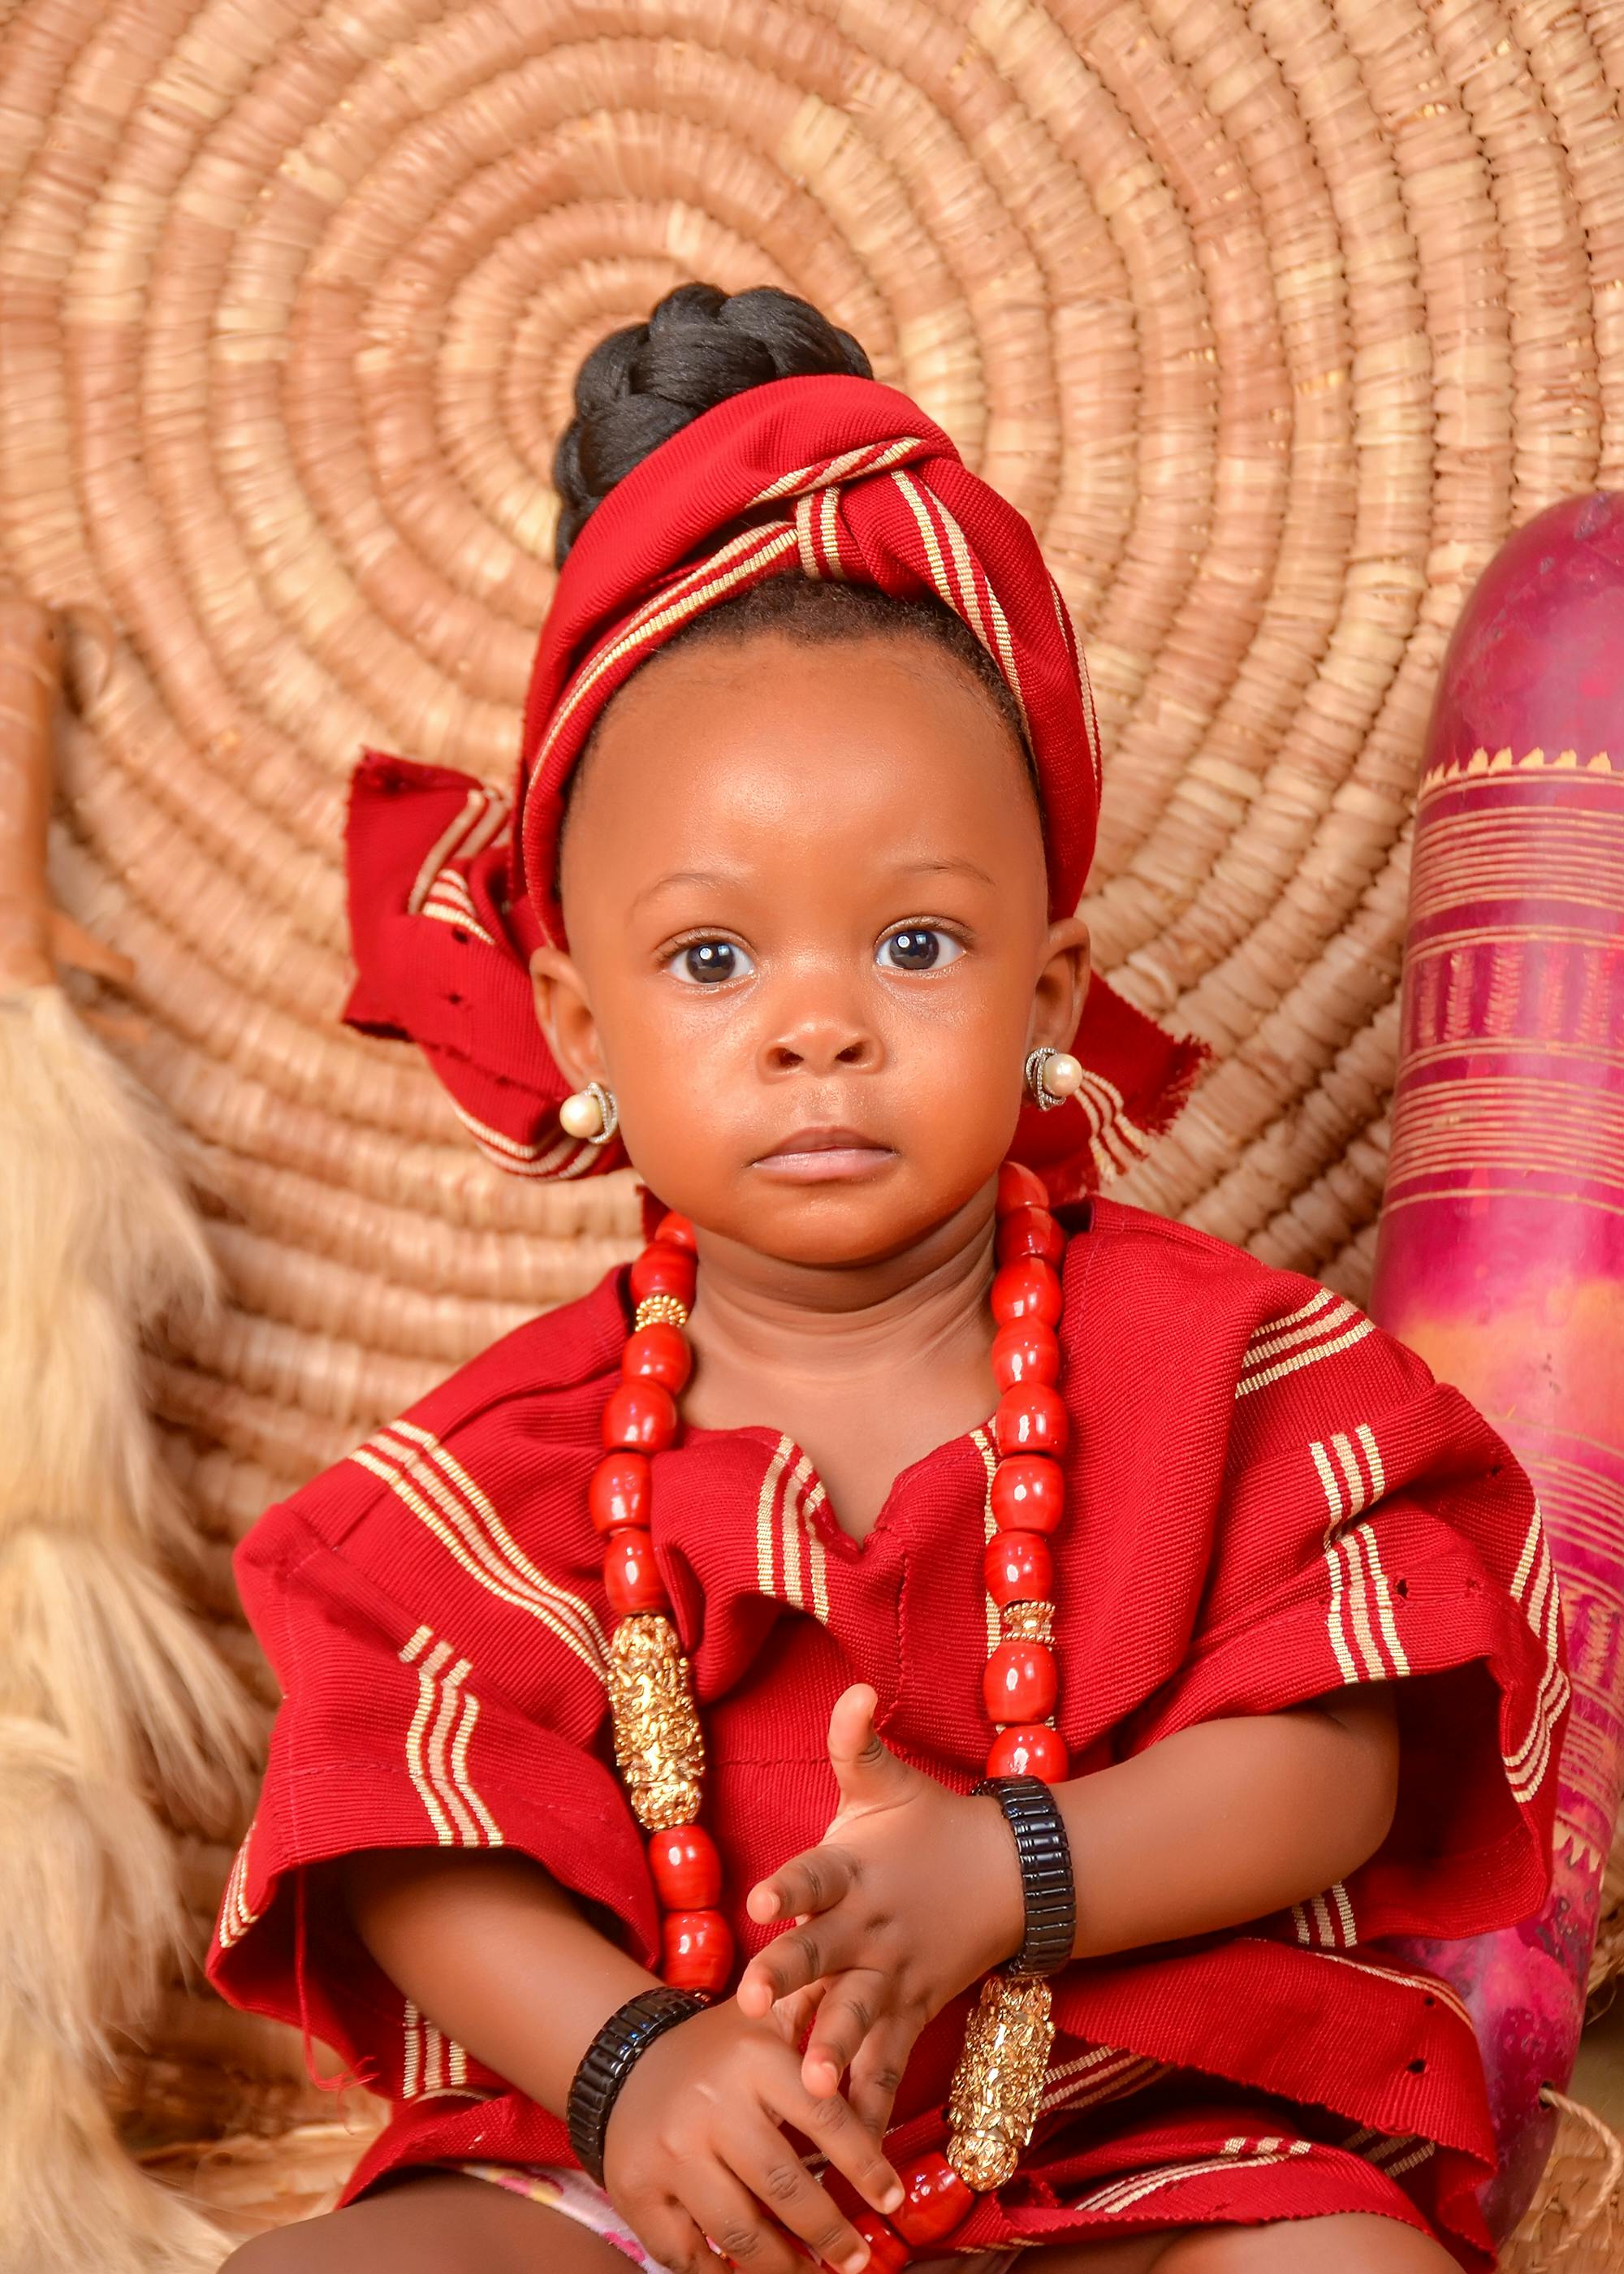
(1500, 1256)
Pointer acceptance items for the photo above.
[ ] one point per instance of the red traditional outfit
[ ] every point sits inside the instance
(1268, 1498)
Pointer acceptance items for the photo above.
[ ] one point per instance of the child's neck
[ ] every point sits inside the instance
(867, 1367)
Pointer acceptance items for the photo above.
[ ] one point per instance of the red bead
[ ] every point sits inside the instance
(1030, 1232)
(888, 2252)
(696, 1950)
(1028, 1290)
(688, 1871)
(657, 1353)
(634, 1581)
(640, 1417)
(1020, 1186)
(677, 1230)
(618, 1493)
(1028, 1494)
(1018, 1683)
(1028, 1748)
(1031, 1418)
(1018, 1569)
(1026, 1351)
(664, 1269)
(937, 2201)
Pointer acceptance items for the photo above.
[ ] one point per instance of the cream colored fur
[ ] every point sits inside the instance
(88, 1909)
(110, 1697)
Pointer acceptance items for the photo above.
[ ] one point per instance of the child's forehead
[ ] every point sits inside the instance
(815, 730)
(817, 782)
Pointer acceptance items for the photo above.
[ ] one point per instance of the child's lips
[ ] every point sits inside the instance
(825, 1156)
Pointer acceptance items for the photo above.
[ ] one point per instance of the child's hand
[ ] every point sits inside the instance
(913, 1893)
(695, 2149)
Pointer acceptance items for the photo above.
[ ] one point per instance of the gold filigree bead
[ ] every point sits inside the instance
(1027, 1623)
(658, 1744)
(661, 1310)
(999, 2080)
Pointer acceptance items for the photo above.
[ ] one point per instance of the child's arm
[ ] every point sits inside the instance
(494, 1949)
(1224, 1822)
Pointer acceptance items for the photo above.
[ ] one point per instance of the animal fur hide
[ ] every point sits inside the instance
(111, 1699)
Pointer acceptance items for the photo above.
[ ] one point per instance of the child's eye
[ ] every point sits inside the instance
(706, 962)
(918, 948)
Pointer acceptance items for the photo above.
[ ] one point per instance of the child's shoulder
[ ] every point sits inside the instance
(1230, 1311)
(535, 1390)
(1173, 1262)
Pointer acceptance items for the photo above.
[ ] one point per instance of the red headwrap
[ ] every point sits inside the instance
(451, 884)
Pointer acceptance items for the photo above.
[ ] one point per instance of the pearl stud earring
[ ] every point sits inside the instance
(590, 1114)
(1052, 1076)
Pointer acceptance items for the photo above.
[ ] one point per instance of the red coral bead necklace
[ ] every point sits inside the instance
(1019, 1683)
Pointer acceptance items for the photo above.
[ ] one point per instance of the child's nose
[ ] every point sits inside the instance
(822, 1041)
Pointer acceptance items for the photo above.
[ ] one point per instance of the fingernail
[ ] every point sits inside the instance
(858, 2260)
(895, 2199)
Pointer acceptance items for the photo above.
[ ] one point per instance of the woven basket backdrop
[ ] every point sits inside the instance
(1274, 317)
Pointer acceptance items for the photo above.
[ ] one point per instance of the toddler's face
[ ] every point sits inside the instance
(810, 950)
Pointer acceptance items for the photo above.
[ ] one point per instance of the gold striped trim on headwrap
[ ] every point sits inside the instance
(961, 592)
(564, 1156)
(743, 556)
(485, 812)
(450, 901)
(871, 458)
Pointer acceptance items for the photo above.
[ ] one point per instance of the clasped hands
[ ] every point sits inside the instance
(911, 1894)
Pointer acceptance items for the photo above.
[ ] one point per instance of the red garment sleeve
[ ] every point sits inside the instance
(1372, 1527)
(463, 1705)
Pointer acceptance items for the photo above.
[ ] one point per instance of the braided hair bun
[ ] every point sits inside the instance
(699, 346)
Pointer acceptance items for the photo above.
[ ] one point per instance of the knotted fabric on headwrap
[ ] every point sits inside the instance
(451, 883)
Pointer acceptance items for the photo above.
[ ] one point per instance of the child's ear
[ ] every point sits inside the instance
(564, 1016)
(1063, 984)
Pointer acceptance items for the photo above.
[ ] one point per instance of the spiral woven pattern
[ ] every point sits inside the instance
(1274, 318)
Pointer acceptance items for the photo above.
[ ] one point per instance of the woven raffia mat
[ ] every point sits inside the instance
(1274, 318)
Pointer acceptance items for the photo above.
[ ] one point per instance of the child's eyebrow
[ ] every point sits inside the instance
(711, 880)
(943, 866)
(704, 877)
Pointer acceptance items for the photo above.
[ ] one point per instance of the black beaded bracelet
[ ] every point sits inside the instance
(1046, 1880)
(610, 2060)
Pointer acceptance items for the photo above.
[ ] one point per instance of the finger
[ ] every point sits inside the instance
(669, 2236)
(790, 1961)
(813, 1881)
(792, 2016)
(776, 2176)
(866, 1769)
(849, 2146)
(876, 2070)
(849, 2010)
(733, 2218)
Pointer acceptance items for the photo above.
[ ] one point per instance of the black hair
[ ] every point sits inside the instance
(644, 383)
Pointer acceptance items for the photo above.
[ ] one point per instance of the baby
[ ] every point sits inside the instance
(895, 1726)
